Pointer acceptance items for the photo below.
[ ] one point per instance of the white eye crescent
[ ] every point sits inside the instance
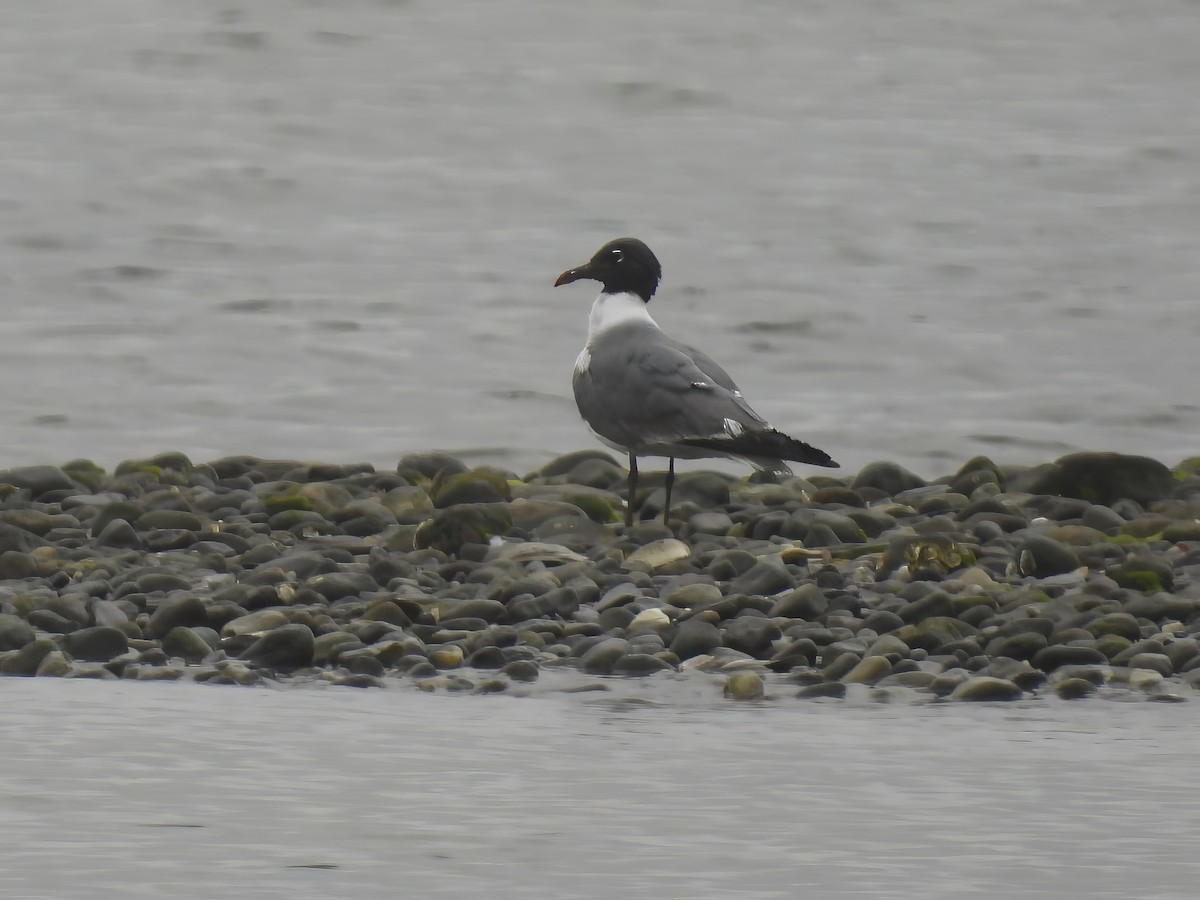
(618, 255)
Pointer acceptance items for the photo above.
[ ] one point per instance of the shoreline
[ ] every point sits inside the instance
(1077, 577)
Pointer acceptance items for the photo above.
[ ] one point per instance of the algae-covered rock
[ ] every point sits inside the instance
(1143, 573)
(85, 472)
(474, 486)
(467, 523)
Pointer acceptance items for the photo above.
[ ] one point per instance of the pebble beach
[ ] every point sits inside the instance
(1076, 578)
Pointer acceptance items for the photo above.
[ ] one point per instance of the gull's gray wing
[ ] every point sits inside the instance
(642, 388)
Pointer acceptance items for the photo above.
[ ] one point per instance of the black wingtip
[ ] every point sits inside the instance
(769, 444)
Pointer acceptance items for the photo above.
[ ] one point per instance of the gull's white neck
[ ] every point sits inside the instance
(611, 310)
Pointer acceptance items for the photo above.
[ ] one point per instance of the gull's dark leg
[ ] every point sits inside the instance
(632, 490)
(670, 484)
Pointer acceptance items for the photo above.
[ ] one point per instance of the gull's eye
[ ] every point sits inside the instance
(618, 256)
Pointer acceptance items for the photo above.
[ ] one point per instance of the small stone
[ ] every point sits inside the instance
(522, 670)
(717, 523)
(186, 643)
(1118, 623)
(948, 681)
(257, 622)
(187, 611)
(106, 612)
(744, 686)
(696, 594)
(933, 604)
(1023, 645)
(868, 671)
(695, 637)
(1050, 557)
(807, 602)
(767, 576)
(14, 633)
(888, 478)
(649, 620)
(26, 660)
(602, 657)
(474, 486)
(479, 608)
(168, 519)
(1074, 688)
(285, 649)
(100, 643)
(118, 533)
(658, 554)
(752, 635)
(1157, 662)
(1056, 656)
(976, 576)
(334, 586)
(985, 687)
(449, 656)
(16, 565)
(158, 673)
(54, 664)
(38, 480)
(1143, 678)
(417, 466)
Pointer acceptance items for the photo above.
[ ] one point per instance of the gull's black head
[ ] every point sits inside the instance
(623, 265)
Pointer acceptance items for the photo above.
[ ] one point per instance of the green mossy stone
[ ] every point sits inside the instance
(85, 472)
(595, 508)
(1187, 467)
(1143, 574)
(277, 503)
(468, 523)
(474, 486)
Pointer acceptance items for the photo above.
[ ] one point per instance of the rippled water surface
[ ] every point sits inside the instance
(915, 231)
(115, 790)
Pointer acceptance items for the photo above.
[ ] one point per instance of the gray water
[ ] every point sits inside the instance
(176, 790)
(915, 231)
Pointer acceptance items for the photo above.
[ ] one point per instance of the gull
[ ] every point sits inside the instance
(646, 394)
